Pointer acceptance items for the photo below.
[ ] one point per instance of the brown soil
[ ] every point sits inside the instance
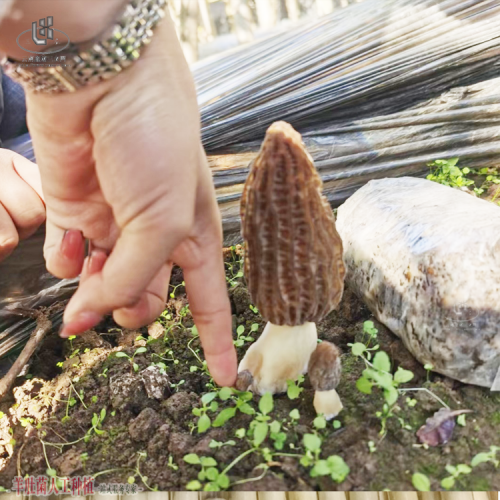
(153, 434)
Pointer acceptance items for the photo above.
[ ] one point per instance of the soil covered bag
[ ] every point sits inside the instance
(377, 90)
(426, 260)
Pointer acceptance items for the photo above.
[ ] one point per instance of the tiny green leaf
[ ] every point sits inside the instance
(208, 398)
(225, 393)
(364, 385)
(266, 403)
(447, 483)
(319, 422)
(402, 376)
(224, 416)
(421, 482)
(391, 395)
(223, 481)
(358, 349)
(321, 468)
(193, 486)
(382, 362)
(339, 469)
(203, 423)
(480, 458)
(208, 462)
(260, 433)
(312, 442)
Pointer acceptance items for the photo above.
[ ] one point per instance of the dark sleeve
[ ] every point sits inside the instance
(1, 103)
(12, 109)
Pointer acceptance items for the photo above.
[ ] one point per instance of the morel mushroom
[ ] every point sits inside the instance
(293, 258)
(324, 374)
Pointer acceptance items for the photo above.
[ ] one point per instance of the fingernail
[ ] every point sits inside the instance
(72, 244)
(79, 324)
(96, 261)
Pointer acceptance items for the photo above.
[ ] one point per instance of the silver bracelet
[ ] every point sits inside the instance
(94, 61)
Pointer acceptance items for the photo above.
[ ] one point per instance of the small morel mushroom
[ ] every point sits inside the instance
(324, 374)
(293, 258)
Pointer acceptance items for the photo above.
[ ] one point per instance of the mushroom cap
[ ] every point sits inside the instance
(325, 367)
(293, 253)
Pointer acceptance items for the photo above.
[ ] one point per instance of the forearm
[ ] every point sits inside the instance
(81, 20)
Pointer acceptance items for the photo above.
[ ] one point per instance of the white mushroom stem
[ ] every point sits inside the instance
(327, 403)
(281, 353)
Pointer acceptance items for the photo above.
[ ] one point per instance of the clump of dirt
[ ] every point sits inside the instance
(118, 405)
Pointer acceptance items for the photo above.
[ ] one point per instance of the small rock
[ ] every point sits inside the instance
(156, 330)
(127, 392)
(180, 444)
(241, 299)
(70, 463)
(158, 444)
(180, 405)
(144, 426)
(156, 382)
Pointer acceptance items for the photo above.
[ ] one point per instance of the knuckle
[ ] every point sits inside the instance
(8, 243)
(32, 222)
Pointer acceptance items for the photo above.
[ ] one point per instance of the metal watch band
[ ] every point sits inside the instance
(93, 61)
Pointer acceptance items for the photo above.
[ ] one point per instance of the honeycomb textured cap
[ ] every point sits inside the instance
(324, 367)
(293, 253)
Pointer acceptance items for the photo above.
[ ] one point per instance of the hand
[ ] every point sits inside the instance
(122, 162)
(22, 210)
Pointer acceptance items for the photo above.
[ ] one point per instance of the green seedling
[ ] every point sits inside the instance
(293, 387)
(242, 338)
(241, 400)
(234, 269)
(218, 444)
(447, 173)
(334, 466)
(171, 463)
(370, 331)
(175, 288)
(97, 421)
(378, 374)
(487, 457)
(421, 482)
(456, 472)
(135, 366)
(209, 478)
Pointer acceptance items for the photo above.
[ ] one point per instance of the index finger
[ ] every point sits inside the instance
(209, 303)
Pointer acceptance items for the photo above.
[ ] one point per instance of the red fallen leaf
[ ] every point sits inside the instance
(439, 428)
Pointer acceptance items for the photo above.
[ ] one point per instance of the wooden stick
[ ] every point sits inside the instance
(271, 495)
(302, 495)
(457, 495)
(363, 495)
(43, 327)
(244, 495)
(333, 495)
(158, 495)
(480, 495)
(402, 495)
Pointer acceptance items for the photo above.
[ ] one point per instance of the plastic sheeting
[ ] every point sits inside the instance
(377, 89)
